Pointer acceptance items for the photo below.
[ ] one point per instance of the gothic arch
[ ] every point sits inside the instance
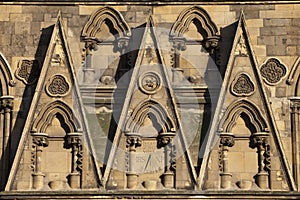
(150, 107)
(50, 111)
(106, 15)
(187, 16)
(248, 109)
(6, 78)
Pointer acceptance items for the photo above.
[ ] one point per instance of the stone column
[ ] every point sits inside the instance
(295, 122)
(178, 45)
(226, 140)
(170, 165)
(133, 141)
(260, 141)
(74, 142)
(89, 72)
(40, 140)
(6, 109)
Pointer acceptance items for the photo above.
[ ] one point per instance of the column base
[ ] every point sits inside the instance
(131, 180)
(74, 180)
(38, 180)
(226, 180)
(177, 75)
(168, 180)
(262, 180)
(88, 77)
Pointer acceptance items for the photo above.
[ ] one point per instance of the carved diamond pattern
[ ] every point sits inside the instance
(273, 71)
(243, 86)
(58, 86)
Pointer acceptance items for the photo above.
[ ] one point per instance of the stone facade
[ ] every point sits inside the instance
(122, 100)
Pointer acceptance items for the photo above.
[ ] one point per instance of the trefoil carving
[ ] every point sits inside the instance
(273, 71)
(58, 86)
(242, 85)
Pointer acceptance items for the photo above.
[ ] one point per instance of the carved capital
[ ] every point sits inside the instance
(91, 43)
(227, 139)
(40, 139)
(211, 43)
(165, 138)
(122, 43)
(73, 139)
(295, 102)
(179, 43)
(133, 141)
(259, 140)
(7, 103)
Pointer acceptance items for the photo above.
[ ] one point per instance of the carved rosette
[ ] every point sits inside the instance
(58, 86)
(273, 71)
(242, 85)
(27, 71)
(150, 83)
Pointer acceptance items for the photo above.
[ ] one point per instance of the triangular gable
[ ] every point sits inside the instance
(55, 151)
(243, 125)
(149, 127)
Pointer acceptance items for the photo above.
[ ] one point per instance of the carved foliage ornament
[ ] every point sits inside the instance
(27, 71)
(242, 85)
(273, 71)
(150, 83)
(58, 86)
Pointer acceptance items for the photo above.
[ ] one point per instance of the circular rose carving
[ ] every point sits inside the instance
(57, 86)
(150, 82)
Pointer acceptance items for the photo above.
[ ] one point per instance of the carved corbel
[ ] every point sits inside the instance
(179, 43)
(211, 43)
(7, 103)
(133, 141)
(165, 138)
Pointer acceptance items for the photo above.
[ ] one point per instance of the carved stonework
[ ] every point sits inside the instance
(165, 138)
(58, 86)
(133, 141)
(241, 49)
(40, 140)
(27, 71)
(150, 83)
(242, 85)
(7, 103)
(273, 71)
(227, 140)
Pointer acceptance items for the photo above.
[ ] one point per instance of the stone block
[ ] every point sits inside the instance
(284, 7)
(273, 31)
(276, 22)
(266, 40)
(254, 23)
(22, 27)
(260, 50)
(14, 9)
(280, 92)
(252, 7)
(4, 17)
(276, 50)
(291, 50)
(20, 17)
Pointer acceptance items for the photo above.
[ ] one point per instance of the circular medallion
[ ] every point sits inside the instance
(150, 82)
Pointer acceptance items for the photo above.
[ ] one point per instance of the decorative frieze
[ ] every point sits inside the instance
(273, 71)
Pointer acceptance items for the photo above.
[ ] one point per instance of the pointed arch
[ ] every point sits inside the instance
(49, 112)
(247, 109)
(190, 15)
(6, 77)
(114, 18)
(150, 107)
